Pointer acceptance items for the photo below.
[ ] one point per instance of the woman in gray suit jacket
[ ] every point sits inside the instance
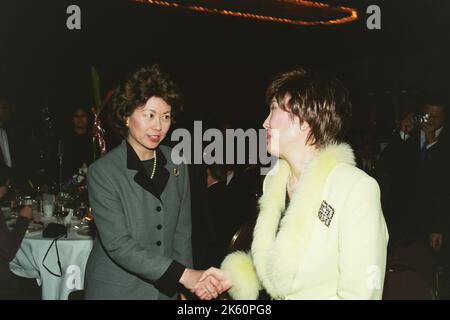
(141, 200)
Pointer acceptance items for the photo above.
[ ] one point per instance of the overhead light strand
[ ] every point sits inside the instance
(352, 14)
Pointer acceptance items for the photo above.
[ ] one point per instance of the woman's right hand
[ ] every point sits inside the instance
(205, 284)
(212, 277)
(191, 277)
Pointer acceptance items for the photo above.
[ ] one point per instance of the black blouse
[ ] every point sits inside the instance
(157, 180)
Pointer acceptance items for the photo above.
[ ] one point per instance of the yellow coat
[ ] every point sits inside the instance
(332, 240)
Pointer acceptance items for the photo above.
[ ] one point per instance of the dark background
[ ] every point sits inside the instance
(222, 64)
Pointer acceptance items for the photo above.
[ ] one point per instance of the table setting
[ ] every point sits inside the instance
(56, 245)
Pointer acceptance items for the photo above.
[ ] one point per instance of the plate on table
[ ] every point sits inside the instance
(47, 220)
(35, 227)
(85, 231)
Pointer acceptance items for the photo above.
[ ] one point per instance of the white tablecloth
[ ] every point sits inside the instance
(73, 253)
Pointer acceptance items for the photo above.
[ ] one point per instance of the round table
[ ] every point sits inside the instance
(73, 252)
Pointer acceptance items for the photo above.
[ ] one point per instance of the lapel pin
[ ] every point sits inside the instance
(176, 172)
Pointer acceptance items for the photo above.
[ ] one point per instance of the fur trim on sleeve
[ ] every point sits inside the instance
(239, 267)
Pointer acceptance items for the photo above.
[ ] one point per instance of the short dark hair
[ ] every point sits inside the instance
(140, 86)
(434, 99)
(77, 108)
(317, 98)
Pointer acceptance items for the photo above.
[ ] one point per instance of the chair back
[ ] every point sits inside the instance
(243, 238)
(409, 273)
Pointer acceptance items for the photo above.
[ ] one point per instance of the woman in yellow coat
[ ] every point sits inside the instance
(320, 232)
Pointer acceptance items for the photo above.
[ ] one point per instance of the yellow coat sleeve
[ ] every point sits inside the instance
(362, 243)
(238, 266)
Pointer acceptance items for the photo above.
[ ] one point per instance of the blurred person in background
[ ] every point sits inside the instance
(78, 147)
(12, 286)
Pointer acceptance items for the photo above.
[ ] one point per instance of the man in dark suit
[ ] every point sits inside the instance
(202, 232)
(413, 170)
(244, 185)
(12, 146)
(413, 173)
(222, 213)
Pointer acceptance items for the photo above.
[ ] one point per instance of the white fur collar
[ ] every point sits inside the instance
(278, 256)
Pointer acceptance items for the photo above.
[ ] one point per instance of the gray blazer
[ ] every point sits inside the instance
(143, 242)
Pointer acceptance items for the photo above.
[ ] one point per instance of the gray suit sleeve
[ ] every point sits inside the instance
(182, 245)
(116, 239)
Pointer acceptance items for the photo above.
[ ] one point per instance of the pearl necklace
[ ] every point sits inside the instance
(154, 165)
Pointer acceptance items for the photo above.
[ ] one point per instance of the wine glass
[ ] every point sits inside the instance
(61, 212)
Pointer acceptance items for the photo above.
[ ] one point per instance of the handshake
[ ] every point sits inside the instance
(205, 284)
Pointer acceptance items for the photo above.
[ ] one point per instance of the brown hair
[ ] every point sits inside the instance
(322, 101)
(140, 86)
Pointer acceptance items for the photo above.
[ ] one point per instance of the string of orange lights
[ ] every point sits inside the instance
(352, 14)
